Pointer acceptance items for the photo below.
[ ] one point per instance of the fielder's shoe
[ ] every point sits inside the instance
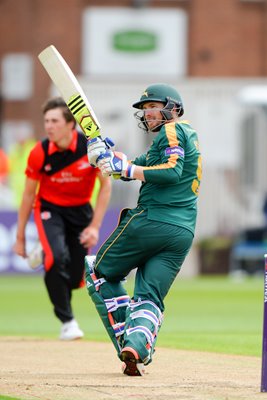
(35, 257)
(132, 364)
(70, 331)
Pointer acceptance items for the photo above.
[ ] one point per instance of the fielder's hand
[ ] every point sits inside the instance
(89, 237)
(115, 163)
(97, 146)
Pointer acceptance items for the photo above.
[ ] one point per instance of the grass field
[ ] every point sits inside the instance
(214, 314)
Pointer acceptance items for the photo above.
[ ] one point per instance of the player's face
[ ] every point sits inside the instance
(152, 113)
(56, 127)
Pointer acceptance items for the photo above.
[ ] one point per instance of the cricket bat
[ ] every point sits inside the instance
(70, 90)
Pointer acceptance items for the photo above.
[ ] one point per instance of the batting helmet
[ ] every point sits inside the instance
(165, 94)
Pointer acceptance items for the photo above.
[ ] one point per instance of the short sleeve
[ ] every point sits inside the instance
(35, 162)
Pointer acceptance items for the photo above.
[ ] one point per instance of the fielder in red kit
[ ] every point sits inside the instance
(59, 185)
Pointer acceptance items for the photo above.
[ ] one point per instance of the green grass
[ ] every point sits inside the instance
(214, 314)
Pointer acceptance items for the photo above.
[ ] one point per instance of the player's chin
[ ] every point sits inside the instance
(51, 137)
(152, 125)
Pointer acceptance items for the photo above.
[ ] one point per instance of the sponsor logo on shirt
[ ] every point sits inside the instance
(174, 150)
(66, 177)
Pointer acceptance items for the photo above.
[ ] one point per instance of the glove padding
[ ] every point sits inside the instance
(115, 163)
(97, 146)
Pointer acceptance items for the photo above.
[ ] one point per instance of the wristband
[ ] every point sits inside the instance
(128, 173)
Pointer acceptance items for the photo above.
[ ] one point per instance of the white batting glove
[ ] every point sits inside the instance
(115, 163)
(97, 146)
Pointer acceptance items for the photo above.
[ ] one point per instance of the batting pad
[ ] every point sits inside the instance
(111, 309)
(143, 321)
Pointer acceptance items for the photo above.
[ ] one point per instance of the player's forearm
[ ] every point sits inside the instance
(138, 173)
(102, 202)
(24, 214)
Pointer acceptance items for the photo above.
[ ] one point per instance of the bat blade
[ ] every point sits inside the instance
(70, 90)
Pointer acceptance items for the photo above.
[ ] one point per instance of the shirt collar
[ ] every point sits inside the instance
(52, 147)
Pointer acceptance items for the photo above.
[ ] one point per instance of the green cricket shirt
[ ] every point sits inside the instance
(172, 170)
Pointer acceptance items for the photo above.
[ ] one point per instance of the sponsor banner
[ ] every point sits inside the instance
(11, 263)
(135, 42)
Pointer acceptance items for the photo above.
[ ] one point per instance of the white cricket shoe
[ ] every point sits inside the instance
(71, 331)
(35, 257)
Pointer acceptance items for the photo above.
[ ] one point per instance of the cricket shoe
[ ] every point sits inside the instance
(70, 331)
(132, 365)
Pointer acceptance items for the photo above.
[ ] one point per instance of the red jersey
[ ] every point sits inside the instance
(66, 177)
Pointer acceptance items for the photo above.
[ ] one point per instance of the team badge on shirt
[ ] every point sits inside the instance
(47, 167)
(83, 165)
(45, 215)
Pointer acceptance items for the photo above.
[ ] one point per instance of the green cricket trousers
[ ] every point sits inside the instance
(156, 249)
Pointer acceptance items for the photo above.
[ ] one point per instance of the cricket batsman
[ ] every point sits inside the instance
(155, 236)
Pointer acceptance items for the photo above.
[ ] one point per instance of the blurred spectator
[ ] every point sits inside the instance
(3, 165)
(5, 192)
(95, 193)
(18, 156)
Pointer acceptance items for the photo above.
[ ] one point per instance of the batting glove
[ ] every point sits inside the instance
(115, 163)
(97, 146)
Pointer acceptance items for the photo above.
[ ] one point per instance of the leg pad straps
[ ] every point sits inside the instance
(106, 307)
(143, 322)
